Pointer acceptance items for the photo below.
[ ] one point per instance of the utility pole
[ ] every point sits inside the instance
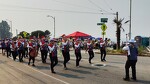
(16, 32)
(130, 19)
(118, 32)
(54, 23)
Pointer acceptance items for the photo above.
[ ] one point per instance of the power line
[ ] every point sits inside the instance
(56, 10)
(97, 6)
(75, 5)
(108, 5)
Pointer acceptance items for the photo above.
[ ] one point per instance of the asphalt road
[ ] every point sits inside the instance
(14, 72)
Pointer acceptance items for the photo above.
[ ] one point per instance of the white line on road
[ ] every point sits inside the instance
(47, 75)
(42, 73)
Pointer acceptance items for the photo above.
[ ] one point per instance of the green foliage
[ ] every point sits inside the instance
(37, 33)
(24, 34)
(141, 50)
(4, 30)
(47, 32)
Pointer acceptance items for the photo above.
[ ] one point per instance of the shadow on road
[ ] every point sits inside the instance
(80, 71)
(69, 75)
(90, 68)
(116, 62)
(143, 81)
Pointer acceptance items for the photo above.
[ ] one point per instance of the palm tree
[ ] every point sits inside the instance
(118, 31)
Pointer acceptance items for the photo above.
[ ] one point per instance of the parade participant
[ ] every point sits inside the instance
(131, 59)
(77, 47)
(14, 49)
(3, 47)
(8, 50)
(44, 50)
(20, 50)
(53, 54)
(26, 49)
(65, 50)
(103, 50)
(32, 52)
(90, 50)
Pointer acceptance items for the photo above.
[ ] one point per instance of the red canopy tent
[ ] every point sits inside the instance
(78, 34)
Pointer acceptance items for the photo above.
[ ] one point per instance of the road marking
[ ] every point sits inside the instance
(47, 75)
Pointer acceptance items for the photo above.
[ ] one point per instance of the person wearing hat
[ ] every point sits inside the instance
(77, 47)
(90, 47)
(44, 50)
(103, 50)
(32, 52)
(53, 54)
(131, 59)
(14, 49)
(65, 51)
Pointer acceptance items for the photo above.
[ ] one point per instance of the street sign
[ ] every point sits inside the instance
(25, 34)
(104, 20)
(104, 27)
(100, 23)
(103, 33)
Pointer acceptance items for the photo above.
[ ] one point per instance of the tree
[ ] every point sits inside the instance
(4, 30)
(118, 31)
(37, 33)
(24, 34)
(47, 32)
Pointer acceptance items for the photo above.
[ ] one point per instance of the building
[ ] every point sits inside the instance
(142, 41)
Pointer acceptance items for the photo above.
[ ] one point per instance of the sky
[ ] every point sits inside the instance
(76, 15)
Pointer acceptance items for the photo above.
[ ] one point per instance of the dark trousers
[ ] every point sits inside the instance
(8, 50)
(78, 58)
(14, 54)
(103, 54)
(66, 56)
(132, 64)
(44, 55)
(20, 55)
(3, 50)
(54, 62)
(91, 55)
(26, 52)
(31, 58)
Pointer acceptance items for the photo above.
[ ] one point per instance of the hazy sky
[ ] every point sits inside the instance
(75, 15)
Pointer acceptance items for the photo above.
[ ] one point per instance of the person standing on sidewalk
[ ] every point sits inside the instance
(90, 47)
(77, 47)
(53, 54)
(131, 59)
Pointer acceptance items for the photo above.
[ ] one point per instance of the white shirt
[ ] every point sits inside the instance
(127, 48)
(101, 44)
(51, 48)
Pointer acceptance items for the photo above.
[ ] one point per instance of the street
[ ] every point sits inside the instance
(112, 73)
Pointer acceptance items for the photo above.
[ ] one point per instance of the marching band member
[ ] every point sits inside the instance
(20, 50)
(90, 50)
(77, 48)
(14, 49)
(32, 52)
(44, 51)
(103, 50)
(53, 54)
(65, 51)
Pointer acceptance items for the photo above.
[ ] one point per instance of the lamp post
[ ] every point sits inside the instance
(54, 23)
(130, 19)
